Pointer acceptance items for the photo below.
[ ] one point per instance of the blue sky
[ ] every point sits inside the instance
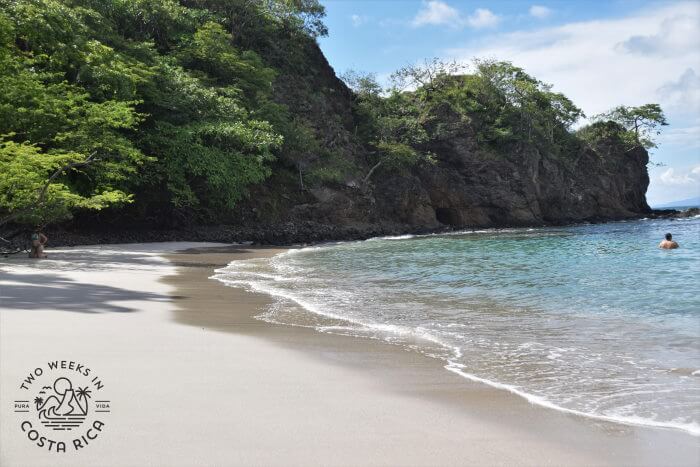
(599, 53)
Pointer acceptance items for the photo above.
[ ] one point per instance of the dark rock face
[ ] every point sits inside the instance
(467, 187)
(674, 214)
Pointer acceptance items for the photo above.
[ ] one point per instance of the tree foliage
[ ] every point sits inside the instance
(642, 123)
(27, 193)
(427, 77)
(47, 122)
(389, 121)
(158, 94)
(505, 108)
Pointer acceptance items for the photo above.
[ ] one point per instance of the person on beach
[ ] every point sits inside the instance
(668, 243)
(38, 242)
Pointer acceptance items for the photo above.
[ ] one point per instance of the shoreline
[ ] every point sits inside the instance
(289, 234)
(195, 379)
(308, 340)
(448, 365)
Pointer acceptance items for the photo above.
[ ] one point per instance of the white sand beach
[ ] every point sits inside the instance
(194, 380)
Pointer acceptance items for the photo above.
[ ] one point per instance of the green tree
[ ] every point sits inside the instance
(211, 50)
(397, 156)
(390, 125)
(304, 15)
(368, 103)
(522, 104)
(59, 149)
(643, 122)
(209, 164)
(426, 77)
(33, 187)
(499, 103)
(106, 98)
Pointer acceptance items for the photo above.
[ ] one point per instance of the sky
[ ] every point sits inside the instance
(599, 53)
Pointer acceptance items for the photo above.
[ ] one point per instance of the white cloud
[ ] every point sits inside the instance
(585, 60)
(435, 12)
(675, 32)
(670, 177)
(483, 18)
(683, 93)
(358, 20)
(540, 12)
(673, 184)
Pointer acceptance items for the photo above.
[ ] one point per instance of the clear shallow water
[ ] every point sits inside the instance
(594, 319)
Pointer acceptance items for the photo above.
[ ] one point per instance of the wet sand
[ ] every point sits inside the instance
(196, 380)
(548, 437)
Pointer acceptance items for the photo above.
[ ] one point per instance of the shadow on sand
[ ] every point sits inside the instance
(47, 288)
(35, 292)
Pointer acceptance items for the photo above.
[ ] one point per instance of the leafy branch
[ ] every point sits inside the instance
(43, 191)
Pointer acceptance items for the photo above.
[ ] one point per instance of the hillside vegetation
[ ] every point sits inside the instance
(167, 113)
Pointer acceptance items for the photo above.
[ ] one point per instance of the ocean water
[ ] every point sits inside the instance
(593, 319)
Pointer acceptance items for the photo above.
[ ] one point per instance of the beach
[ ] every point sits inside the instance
(195, 379)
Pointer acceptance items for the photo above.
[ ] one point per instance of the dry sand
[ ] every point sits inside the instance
(195, 380)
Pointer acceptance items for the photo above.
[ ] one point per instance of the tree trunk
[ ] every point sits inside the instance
(301, 179)
(371, 171)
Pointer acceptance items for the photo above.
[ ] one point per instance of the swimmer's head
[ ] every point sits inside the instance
(669, 236)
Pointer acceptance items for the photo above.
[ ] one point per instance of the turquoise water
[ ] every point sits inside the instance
(593, 319)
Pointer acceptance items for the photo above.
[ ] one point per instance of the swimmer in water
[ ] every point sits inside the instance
(668, 243)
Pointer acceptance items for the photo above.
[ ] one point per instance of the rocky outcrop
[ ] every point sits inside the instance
(467, 189)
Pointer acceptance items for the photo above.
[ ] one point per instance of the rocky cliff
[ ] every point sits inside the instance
(465, 187)
(463, 190)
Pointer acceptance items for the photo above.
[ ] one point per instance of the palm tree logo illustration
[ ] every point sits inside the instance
(84, 393)
(66, 408)
(38, 401)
